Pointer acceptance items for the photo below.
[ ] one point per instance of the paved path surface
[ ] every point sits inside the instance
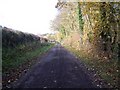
(57, 69)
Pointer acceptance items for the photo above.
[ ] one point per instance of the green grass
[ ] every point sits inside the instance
(15, 57)
(20, 59)
(108, 70)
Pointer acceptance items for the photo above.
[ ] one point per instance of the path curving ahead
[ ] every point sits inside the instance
(57, 69)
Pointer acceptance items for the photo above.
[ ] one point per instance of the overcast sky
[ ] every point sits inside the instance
(31, 16)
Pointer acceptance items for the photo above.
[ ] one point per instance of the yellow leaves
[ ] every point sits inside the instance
(97, 12)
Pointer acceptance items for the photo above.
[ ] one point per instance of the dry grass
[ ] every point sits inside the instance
(106, 69)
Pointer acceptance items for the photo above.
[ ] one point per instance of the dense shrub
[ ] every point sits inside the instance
(12, 38)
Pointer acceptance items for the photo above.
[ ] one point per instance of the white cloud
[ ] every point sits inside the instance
(31, 16)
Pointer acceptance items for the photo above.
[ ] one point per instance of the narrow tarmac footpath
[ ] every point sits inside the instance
(57, 69)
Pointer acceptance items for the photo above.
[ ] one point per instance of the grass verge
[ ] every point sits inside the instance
(19, 59)
(107, 70)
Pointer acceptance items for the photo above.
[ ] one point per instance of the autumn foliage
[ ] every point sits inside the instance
(92, 31)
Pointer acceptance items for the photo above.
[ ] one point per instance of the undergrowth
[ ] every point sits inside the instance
(107, 70)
